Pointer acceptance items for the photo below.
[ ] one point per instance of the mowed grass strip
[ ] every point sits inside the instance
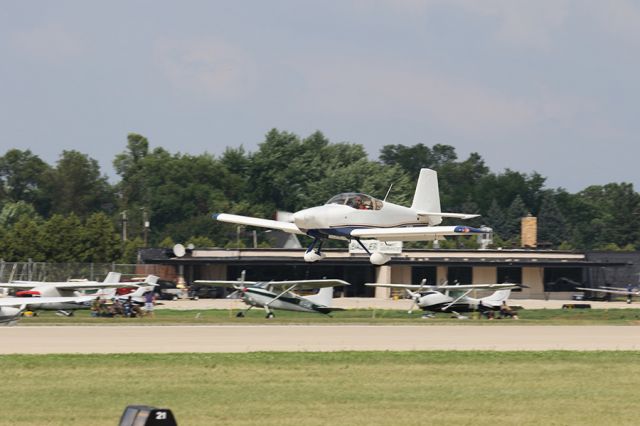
(350, 388)
(352, 316)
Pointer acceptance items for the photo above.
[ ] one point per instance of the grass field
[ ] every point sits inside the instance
(360, 316)
(349, 388)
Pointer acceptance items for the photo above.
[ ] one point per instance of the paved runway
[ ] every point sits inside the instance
(249, 338)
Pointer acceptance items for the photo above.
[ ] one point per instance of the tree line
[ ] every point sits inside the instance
(70, 211)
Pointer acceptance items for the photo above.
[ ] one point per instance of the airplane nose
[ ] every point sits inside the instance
(302, 219)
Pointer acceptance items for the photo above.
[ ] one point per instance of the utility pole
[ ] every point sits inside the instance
(124, 225)
(145, 224)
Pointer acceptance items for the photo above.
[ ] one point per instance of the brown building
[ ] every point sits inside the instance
(546, 274)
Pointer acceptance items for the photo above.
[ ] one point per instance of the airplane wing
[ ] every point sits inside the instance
(35, 301)
(71, 285)
(262, 223)
(307, 284)
(225, 284)
(280, 285)
(416, 233)
(492, 286)
(407, 286)
(604, 290)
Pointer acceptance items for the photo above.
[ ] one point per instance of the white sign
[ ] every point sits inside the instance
(375, 246)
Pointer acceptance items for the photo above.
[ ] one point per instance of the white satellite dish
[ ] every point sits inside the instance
(179, 250)
(190, 246)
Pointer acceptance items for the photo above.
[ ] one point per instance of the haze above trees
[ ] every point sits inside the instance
(70, 212)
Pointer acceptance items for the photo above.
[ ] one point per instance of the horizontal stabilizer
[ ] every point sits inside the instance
(463, 216)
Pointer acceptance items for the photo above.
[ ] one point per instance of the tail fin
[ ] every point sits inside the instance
(427, 195)
(112, 277)
(151, 280)
(324, 296)
(496, 298)
(140, 291)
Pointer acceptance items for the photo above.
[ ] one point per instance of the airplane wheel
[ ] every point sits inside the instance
(270, 315)
(240, 315)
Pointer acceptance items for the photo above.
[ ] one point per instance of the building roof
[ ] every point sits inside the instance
(541, 258)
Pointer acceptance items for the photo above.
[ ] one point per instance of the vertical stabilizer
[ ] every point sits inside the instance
(112, 277)
(427, 196)
(496, 298)
(324, 296)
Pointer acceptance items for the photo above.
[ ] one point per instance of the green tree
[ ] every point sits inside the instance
(11, 212)
(100, 240)
(129, 165)
(23, 241)
(22, 175)
(200, 242)
(130, 250)
(61, 239)
(76, 186)
(513, 218)
(552, 225)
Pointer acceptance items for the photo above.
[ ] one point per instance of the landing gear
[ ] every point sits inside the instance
(242, 314)
(269, 313)
(313, 253)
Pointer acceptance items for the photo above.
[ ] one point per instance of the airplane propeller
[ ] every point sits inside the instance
(415, 295)
(239, 288)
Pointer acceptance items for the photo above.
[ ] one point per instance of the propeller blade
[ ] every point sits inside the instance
(414, 297)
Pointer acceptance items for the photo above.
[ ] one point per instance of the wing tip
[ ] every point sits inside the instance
(468, 230)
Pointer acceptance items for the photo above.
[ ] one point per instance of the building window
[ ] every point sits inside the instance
(419, 273)
(460, 274)
(562, 279)
(510, 274)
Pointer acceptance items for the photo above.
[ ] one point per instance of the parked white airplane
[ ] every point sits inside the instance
(453, 298)
(354, 216)
(12, 307)
(279, 294)
(62, 289)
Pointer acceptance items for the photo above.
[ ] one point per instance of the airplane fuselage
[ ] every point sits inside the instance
(9, 315)
(337, 221)
(260, 297)
(439, 302)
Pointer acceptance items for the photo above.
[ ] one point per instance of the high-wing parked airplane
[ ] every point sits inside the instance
(272, 295)
(62, 289)
(453, 298)
(352, 216)
(629, 291)
(12, 307)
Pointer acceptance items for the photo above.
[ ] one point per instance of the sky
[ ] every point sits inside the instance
(544, 85)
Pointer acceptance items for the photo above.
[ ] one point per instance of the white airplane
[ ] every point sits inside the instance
(272, 295)
(62, 289)
(629, 291)
(453, 298)
(12, 307)
(352, 216)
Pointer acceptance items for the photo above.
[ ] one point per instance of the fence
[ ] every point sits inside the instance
(57, 272)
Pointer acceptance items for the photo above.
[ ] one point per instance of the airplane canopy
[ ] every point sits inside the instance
(356, 200)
